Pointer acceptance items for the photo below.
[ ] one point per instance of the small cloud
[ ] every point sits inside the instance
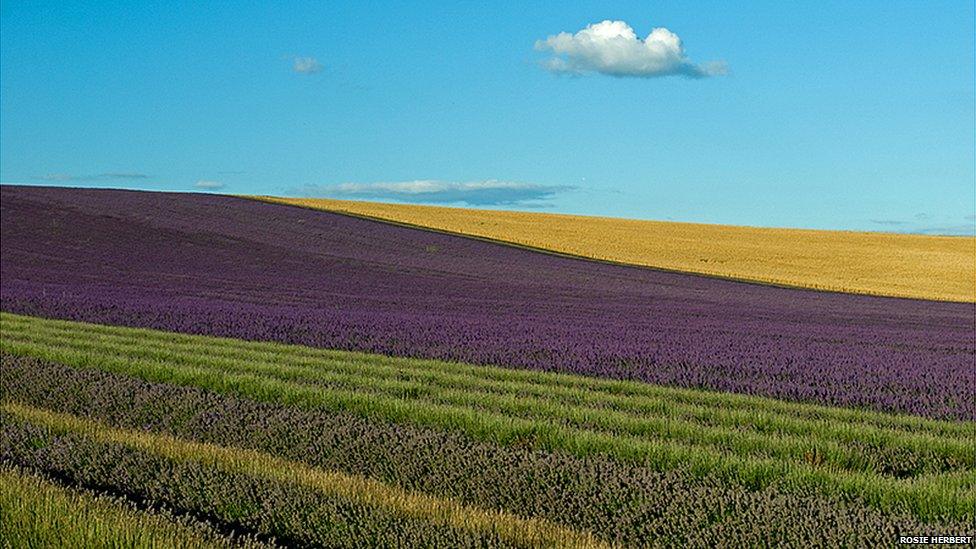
(122, 175)
(949, 230)
(922, 224)
(108, 176)
(307, 65)
(890, 222)
(613, 48)
(473, 193)
(208, 185)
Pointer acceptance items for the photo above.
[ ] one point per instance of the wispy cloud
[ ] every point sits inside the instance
(473, 193)
(890, 222)
(613, 48)
(107, 176)
(307, 65)
(208, 185)
(923, 223)
(964, 229)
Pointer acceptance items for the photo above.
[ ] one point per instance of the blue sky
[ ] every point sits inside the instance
(848, 115)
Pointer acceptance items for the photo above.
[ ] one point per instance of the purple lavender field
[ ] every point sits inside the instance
(226, 266)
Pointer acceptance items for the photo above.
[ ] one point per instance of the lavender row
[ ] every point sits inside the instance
(290, 514)
(233, 267)
(618, 502)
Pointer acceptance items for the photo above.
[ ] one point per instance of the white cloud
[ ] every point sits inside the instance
(613, 48)
(307, 65)
(208, 185)
(479, 193)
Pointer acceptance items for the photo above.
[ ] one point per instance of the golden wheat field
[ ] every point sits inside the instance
(900, 265)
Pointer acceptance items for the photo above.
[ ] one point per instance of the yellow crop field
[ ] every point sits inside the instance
(901, 265)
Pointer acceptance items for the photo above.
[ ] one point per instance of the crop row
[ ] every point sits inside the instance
(920, 473)
(840, 445)
(616, 501)
(742, 411)
(238, 268)
(256, 492)
(40, 513)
